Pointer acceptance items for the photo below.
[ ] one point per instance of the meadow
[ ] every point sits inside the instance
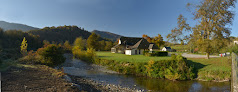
(129, 58)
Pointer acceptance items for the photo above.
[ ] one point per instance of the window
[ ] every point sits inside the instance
(135, 51)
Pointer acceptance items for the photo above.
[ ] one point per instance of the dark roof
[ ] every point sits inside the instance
(118, 45)
(135, 43)
(129, 40)
(142, 44)
(153, 46)
(167, 47)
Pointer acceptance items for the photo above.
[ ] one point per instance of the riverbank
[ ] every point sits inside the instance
(89, 85)
(91, 76)
(213, 69)
(35, 78)
(81, 74)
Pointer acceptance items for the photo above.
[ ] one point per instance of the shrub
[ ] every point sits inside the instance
(233, 48)
(174, 69)
(51, 55)
(155, 53)
(31, 58)
(88, 55)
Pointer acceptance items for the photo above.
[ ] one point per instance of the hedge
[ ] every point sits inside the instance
(155, 53)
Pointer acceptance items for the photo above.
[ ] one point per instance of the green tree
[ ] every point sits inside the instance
(46, 43)
(92, 41)
(178, 33)
(102, 45)
(67, 46)
(158, 40)
(109, 45)
(79, 43)
(51, 55)
(214, 18)
(24, 47)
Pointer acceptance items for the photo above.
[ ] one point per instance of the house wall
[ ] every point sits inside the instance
(141, 51)
(134, 52)
(164, 49)
(113, 50)
(235, 42)
(128, 52)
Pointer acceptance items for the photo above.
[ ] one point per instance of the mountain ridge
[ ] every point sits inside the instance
(16, 26)
(108, 35)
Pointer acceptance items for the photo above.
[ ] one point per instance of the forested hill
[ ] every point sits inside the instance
(107, 35)
(15, 26)
(61, 34)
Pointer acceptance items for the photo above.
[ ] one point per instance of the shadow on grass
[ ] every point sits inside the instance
(196, 66)
(104, 56)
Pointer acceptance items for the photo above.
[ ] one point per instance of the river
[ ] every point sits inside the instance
(101, 74)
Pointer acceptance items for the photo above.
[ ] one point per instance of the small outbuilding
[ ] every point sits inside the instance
(166, 49)
(235, 42)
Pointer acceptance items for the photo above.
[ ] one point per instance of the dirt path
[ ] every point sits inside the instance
(37, 78)
(197, 56)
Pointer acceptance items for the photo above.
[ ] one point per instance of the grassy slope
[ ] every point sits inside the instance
(222, 63)
(218, 69)
(213, 69)
(180, 48)
(128, 58)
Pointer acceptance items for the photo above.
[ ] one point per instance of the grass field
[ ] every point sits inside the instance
(129, 58)
(221, 63)
(180, 48)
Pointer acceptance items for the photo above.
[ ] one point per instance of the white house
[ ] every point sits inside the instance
(235, 42)
(166, 49)
(133, 46)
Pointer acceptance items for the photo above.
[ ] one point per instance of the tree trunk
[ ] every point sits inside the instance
(207, 54)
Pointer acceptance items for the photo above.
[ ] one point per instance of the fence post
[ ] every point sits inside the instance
(234, 73)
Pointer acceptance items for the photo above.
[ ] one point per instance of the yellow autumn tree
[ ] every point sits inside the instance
(24, 47)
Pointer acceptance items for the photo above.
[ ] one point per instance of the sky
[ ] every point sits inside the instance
(131, 18)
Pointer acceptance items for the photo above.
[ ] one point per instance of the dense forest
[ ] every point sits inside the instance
(13, 38)
(10, 40)
(60, 34)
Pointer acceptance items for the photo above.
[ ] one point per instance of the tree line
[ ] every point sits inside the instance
(211, 34)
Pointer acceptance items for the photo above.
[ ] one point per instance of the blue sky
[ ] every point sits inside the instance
(125, 17)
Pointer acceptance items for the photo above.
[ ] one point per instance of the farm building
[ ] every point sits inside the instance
(166, 49)
(133, 46)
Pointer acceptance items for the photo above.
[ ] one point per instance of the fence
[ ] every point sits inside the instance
(234, 76)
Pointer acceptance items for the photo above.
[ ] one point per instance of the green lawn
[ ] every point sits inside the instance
(221, 63)
(129, 58)
(180, 48)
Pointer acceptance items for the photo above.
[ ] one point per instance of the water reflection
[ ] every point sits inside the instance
(182, 86)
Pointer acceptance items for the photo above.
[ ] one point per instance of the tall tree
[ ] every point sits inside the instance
(79, 43)
(214, 18)
(92, 41)
(24, 47)
(147, 38)
(67, 46)
(102, 45)
(158, 40)
(109, 45)
(179, 33)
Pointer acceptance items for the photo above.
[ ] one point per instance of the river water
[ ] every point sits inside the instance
(78, 68)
